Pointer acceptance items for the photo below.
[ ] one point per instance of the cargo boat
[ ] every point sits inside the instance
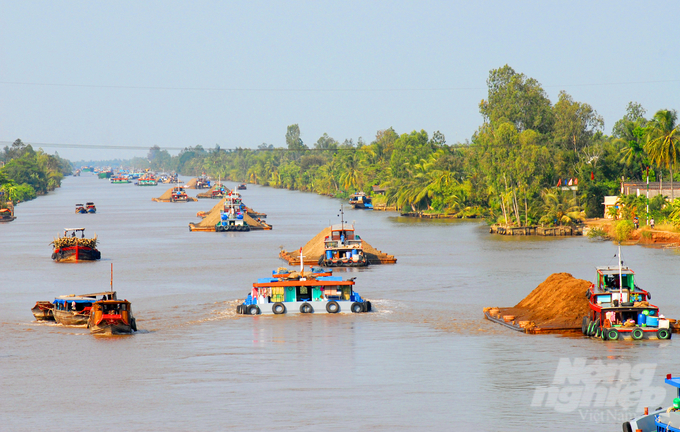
(359, 200)
(119, 179)
(619, 309)
(202, 182)
(661, 419)
(89, 206)
(146, 181)
(42, 311)
(242, 186)
(300, 292)
(74, 249)
(343, 248)
(179, 195)
(231, 217)
(111, 317)
(74, 310)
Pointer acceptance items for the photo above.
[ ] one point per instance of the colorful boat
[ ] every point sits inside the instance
(70, 248)
(80, 209)
(343, 248)
(74, 310)
(359, 200)
(119, 179)
(105, 174)
(147, 180)
(661, 419)
(179, 195)
(619, 309)
(42, 311)
(299, 292)
(89, 206)
(231, 217)
(111, 317)
(242, 186)
(6, 209)
(202, 182)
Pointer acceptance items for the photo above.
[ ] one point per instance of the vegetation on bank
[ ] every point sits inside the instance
(26, 173)
(508, 171)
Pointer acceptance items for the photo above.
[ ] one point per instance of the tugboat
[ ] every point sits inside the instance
(231, 218)
(74, 310)
(42, 311)
(119, 179)
(288, 292)
(619, 309)
(343, 248)
(359, 200)
(111, 317)
(80, 209)
(661, 419)
(70, 248)
(202, 182)
(89, 206)
(242, 186)
(179, 195)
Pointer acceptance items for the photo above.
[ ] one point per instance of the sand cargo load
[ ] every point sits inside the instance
(174, 194)
(214, 217)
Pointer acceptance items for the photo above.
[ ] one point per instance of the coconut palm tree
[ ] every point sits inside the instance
(559, 208)
(663, 141)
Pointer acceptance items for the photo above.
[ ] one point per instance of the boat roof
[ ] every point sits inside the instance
(614, 270)
(69, 296)
(74, 229)
(112, 301)
(309, 282)
(342, 227)
(674, 381)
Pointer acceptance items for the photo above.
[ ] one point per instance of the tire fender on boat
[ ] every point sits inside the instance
(279, 308)
(306, 308)
(357, 307)
(369, 306)
(612, 334)
(254, 310)
(637, 333)
(663, 334)
(332, 307)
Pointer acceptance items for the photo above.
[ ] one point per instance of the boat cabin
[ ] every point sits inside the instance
(111, 309)
(304, 289)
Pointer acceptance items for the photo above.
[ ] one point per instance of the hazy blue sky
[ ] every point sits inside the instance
(175, 74)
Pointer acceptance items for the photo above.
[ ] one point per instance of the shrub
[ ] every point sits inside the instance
(623, 229)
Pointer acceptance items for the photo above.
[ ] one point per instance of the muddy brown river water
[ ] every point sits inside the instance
(425, 359)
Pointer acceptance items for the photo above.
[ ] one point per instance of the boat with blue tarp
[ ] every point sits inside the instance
(74, 310)
(359, 200)
(315, 291)
(661, 419)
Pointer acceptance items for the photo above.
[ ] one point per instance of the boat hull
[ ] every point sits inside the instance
(75, 254)
(318, 307)
(104, 329)
(70, 318)
(42, 311)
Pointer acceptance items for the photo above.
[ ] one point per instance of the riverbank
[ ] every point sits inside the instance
(662, 236)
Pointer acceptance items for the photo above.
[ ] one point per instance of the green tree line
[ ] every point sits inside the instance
(507, 172)
(26, 173)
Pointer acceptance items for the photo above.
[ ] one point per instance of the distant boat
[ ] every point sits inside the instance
(42, 311)
(242, 186)
(80, 209)
(70, 248)
(359, 200)
(74, 310)
(89, 206)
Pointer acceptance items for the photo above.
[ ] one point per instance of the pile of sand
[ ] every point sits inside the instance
(213, 215)
(559, 302)
(167, 195)
(191, 184)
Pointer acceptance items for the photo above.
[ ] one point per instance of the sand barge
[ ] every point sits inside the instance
(214, 216)
(171, 195)
(315, 249)
(557, 305)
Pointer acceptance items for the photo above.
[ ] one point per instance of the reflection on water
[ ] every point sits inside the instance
(424, 360)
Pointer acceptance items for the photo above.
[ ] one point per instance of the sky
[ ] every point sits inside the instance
(96, 80)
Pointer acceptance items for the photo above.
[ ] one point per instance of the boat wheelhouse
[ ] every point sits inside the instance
(343, 248)
(119, 179)
(359, 200)
(317, 291)
(89, 206)
(74, 310)
(179, 194)
(42, 311)
(111, 317)
(231, 217)
(147, 180)
(80, 209)
(661, 419)
(70, 248)
(202, 182)
(619, 309)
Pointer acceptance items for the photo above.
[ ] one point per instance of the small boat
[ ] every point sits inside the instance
(619, 309)
(343, 248)
(42, 311)
(242, 186)
(179, 195)
(89, 206)
(202, 182)
(74, 310)
(111, 317)
(359, 200)
(231, 217)
(660, 419)
(119, 179)
(288, 292)
(70, 248)
(147, 181)
(80, 209)
(6, 209)
(105, 174)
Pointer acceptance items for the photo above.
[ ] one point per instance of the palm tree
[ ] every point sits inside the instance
(559, 208)
(663, 141)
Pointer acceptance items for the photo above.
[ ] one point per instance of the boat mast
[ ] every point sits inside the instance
(111, 277)
(620, 277)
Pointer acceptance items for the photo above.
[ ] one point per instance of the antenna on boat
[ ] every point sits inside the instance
(620, 277)
(302, 264)
(342, 217)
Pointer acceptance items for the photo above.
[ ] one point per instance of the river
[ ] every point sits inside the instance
(425, 359)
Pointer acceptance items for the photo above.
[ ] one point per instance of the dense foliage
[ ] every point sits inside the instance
(26, 173)
(508, 172)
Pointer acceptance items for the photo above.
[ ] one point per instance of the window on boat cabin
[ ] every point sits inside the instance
(304, 293)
